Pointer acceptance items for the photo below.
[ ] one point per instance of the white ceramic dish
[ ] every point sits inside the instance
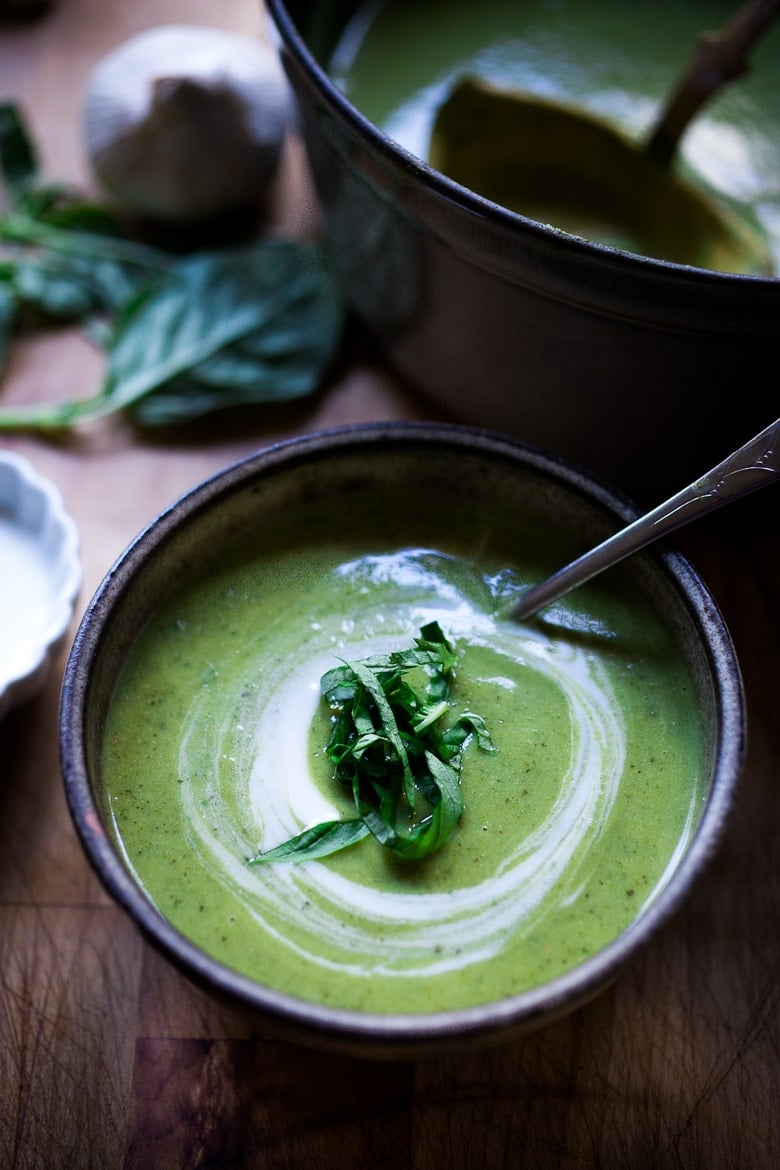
(40, 578)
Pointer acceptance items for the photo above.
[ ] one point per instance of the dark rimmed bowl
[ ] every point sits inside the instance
(335, 464)
(639, 369)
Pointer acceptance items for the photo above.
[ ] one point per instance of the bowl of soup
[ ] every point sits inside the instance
(614, 345)
(599, 744)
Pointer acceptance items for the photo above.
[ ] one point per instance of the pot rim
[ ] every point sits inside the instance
(350, 1031)
(500, 218)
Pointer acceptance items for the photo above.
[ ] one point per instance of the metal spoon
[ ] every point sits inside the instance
(753, 466)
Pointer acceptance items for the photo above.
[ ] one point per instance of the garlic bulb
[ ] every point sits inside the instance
(183, 122)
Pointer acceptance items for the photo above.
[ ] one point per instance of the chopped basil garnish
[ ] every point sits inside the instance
(394, 749)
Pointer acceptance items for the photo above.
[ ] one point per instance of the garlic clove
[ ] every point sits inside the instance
(184, 123)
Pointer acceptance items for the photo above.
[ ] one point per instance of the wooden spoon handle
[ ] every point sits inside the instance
(719, 57)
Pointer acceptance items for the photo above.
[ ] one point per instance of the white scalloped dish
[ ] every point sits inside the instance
(40, 578)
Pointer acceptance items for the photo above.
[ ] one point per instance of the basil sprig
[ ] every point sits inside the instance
(183, 335)
(394, 746)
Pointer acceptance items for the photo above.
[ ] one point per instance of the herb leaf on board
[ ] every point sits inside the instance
(183, 336)
(7, 314)
(396, 749)
(18, 159)
(253, 324)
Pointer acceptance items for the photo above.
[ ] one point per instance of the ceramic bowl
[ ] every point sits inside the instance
(621, 363)
(355, 468)
(41, 578)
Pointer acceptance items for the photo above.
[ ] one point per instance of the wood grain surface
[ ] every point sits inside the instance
(109, 1058)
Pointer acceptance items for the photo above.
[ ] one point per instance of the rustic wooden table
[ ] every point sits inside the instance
(108, 1058)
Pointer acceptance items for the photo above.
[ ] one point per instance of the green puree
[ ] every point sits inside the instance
(397, 62)
(213, 750)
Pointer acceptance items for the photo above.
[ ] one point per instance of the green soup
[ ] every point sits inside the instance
(213, 750)
(398, 60)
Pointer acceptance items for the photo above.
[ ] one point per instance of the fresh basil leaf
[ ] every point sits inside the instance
(422, 839)
(279, 353)
(319, 841)
(116, 282)
(60, 207)
(183, 336)
(184, 320)
(447, 780)
(476, 724)
(7, 316)
(338, 685)
(70, 288)
(209, 303)
(240, 326)
(389, 724)
(18, 162)
(51, 292)
(429, 715)
(387, 746)
(22, 228)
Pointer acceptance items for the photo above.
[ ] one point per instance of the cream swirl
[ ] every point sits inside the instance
(259, 789)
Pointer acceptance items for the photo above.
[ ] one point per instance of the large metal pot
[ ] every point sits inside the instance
(644, 370)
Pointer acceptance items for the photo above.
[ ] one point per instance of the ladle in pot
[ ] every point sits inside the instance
(560, 165)
(720, 57)
(753, 466)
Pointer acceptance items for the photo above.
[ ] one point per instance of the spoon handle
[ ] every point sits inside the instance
(720, 56)
(751, 467)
